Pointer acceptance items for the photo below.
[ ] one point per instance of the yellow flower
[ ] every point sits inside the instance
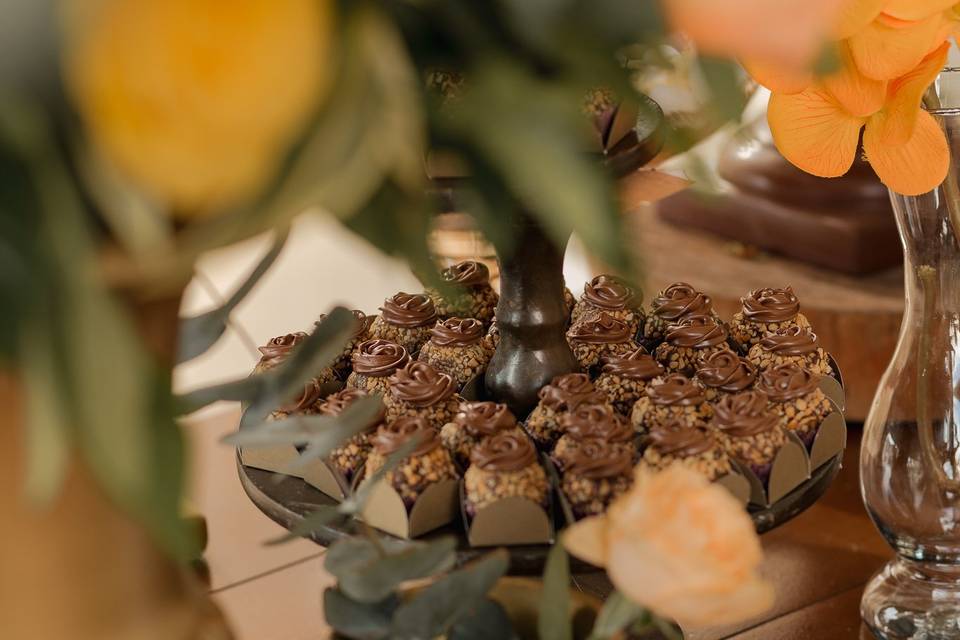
(680, 546)
(197, 101)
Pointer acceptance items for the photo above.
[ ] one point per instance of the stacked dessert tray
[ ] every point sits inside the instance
(752, 402)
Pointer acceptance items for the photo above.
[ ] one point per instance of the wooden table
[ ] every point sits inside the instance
(819, 561)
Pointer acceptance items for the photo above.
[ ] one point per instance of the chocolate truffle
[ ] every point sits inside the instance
(564, 393)
(456, 348)
(590, 421)
(613, 296)
(504, 466)
(419, 390)
(595, 475)
(690, 342)
(691, 445)
(796, 398)
(406, 319)
(350, 456)
(427, 464)
(474, 422)
(599, 334)
(672, 305)
(275, 353)
(492, 339)
(374, 362)
(723, 373)
(471, 295)
(765, 311)
(671, 397)
(362, 326)
(749, 430)
(624, 378)
(569, 301)
(795, 344)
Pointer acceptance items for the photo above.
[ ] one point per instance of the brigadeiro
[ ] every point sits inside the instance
(624, 378)
(749, 430)
(475, 422)
(471, 295)
(613, 296)
(564, 393)
(504, 466)
(796, 398)
(569, 301)
(590, 421)
(421, 391)
(275, 353)
(361, 327)
(374, 362)
(596, 473)
(405, 318)
(795, 344)
(428, 463)
(350, 456)
(599, 334)
(456, 348)
(492, 339)
(765, 311)
(723, 373)
(690, 342)
(671, 397)
(672, 305)
(692, 445)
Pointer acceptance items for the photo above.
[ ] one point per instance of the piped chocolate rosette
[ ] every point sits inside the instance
(475, 422)
(795, 344)
(427, 463)
(564, 393)
(611, 295)
(590, 421)
(374, 362)
(456, 348)
(599, 334)
(691, 445)
(749, 430)
(624, 378)
(796, 398)
(470, 295)
(419, 390)
(504, 466)
(308, 400)
(764, 311)
(405, 318)
(672, 305)
(689, 342)
(595, 474)
(673, 397)
(361, 327)
(350, 456)
(723, 373)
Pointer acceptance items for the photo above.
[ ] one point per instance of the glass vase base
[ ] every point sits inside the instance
(913, 600)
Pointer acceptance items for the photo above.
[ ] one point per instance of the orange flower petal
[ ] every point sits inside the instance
(857, 14)
(778, 79)
(884, 52)
(856, 93)
(895, 124)
(913, 168)
(916, 9)
(813, 131)
(587, 539)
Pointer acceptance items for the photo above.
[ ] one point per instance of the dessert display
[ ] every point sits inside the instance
(471, 296)
(672, 305)
(624, 378)
(598, 334)
(723, 373)
(406, 319)
(589, 422)
(595, 474)
(795, 344)
(492, 339)
(504, 466)
(689, 342)
(350, 457)
(361, 329)
(796, 398)
(613, 296)
(673, 397)
(692, 445)
(474, 422)
(766, 311)
(373, 362)
(749, 430)
(456, 348)
(563, 394)
(420, 391)
(274, 353)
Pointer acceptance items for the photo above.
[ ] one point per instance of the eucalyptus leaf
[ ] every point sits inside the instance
(487, 621)
(358, 620)
(667, 629)
(723, 80)
(324, 515)
(618, 613)
(377, 578)
(350, 554)
(554, 622)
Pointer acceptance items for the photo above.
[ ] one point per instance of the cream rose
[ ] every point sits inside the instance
(680, 546)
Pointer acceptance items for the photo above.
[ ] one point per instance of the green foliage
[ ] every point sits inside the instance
(618, 613)
(486, 621)
(359, 620)
(554, 622)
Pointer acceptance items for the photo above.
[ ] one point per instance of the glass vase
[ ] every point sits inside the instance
(910, 455)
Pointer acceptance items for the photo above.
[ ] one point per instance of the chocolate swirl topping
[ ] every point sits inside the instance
(566, 392)
(636, 365)
(610, 292)
(362, 322)
(507, 451)
(596, 421)
(408, 310)
(677, 438)
(485, 418)
(456, 332)
(771, 305)
(277, 350)
(468, 273)
(597, 459)
(726, 371)
(599, 328)
(679, 300)
(338, 402)
(791, 341)
(744, 414)
(379, 358)
(787, 381)
(421, 385)
(308, 398)
(393, 435)
(698, 331)
(675, 389)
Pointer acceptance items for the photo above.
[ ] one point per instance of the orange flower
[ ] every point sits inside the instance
(679, 545)
(899, 37)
